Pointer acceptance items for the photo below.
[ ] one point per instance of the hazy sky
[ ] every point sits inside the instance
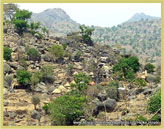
(98, 14)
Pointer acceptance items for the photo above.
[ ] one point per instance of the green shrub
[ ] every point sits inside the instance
(23, 77)
(38, 35)
(33, 54)
(154, 103)
(35, 79)
(127, 67)
(81, 83)
(65, 109)
(69, 68)
(140, 118)
(47, 74)
(140, 82)
(112, 90)
(45, 108)
(35, 100)
(57, 51)
(149, 67)
(7, 53)
(23, 63)
(78, 55)
(64, 46)
(155, 118)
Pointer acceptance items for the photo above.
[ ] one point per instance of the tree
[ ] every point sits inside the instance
(86, 34)
(35, 100)
(149, 67)
(23, 77)
(9, 10)
(34, 27)
(20, 20)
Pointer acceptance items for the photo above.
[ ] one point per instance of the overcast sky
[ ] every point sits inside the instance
(98, 14)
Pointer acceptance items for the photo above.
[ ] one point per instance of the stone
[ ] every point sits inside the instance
(46, 58)
(36, 115)
(102, 96)
(14, 49)
(57, 91)
(150, 78)
(6, 68)
(14, 65)
(147, 91)
(107, 105)
(104, 59)
(51, 89)
(67, 84)
(62, 88)
(12, 115)
(5, 84)
(40, 88)
(5, 92)
(5, 103)
(121, 93)
(14, 56)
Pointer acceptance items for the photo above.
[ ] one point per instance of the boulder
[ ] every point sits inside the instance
(51, 89)
(62, 88)
(104, 59)
(150, 78)
(5, 103)
(107, 105)
(57, 91)
(12, 115)
(6, 68)
(121, 93)
(67, 84)
(102, 96)
(36, 115)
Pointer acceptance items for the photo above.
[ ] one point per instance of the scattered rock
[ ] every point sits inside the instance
(5, 103)
(36, 115)
(121, 93)
(6, 68)
(51, 89)
(150, 78)
(102, 96)
(57, 91)
(12, 115)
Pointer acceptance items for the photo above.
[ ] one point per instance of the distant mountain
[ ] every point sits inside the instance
(56, 21)
(138, 35)
(141, 16)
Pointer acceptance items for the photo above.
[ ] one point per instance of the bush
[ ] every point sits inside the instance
(47, 74)
(154, 103)
(140, 118)
(35, 79)
(35, 100)
(81, 83)
(65, 109)
(149, 67)
(33, 54)
(127, 67)
(45, 108)
(140, 82)
(69, 68)
(112, 90)
(86, 34)
(7, 53)
(64, 46)
(78, 55)
(23, 77)
(57, 51)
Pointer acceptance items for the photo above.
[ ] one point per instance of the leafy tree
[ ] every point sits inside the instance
(86, 34)
(33, 54)
(23, 77)
(65, 109)
(47, 73)
(35, 79)
(81, 83)
(7, 53)
(20, 20)
(149, 67)
(127, 66)
(35, 100)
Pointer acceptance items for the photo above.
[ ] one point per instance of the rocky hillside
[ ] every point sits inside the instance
(140, 35)
(56, 21)
(141, 16)
(108, 98)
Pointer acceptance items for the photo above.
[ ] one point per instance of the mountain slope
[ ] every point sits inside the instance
(141, 16)
(56, 21)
